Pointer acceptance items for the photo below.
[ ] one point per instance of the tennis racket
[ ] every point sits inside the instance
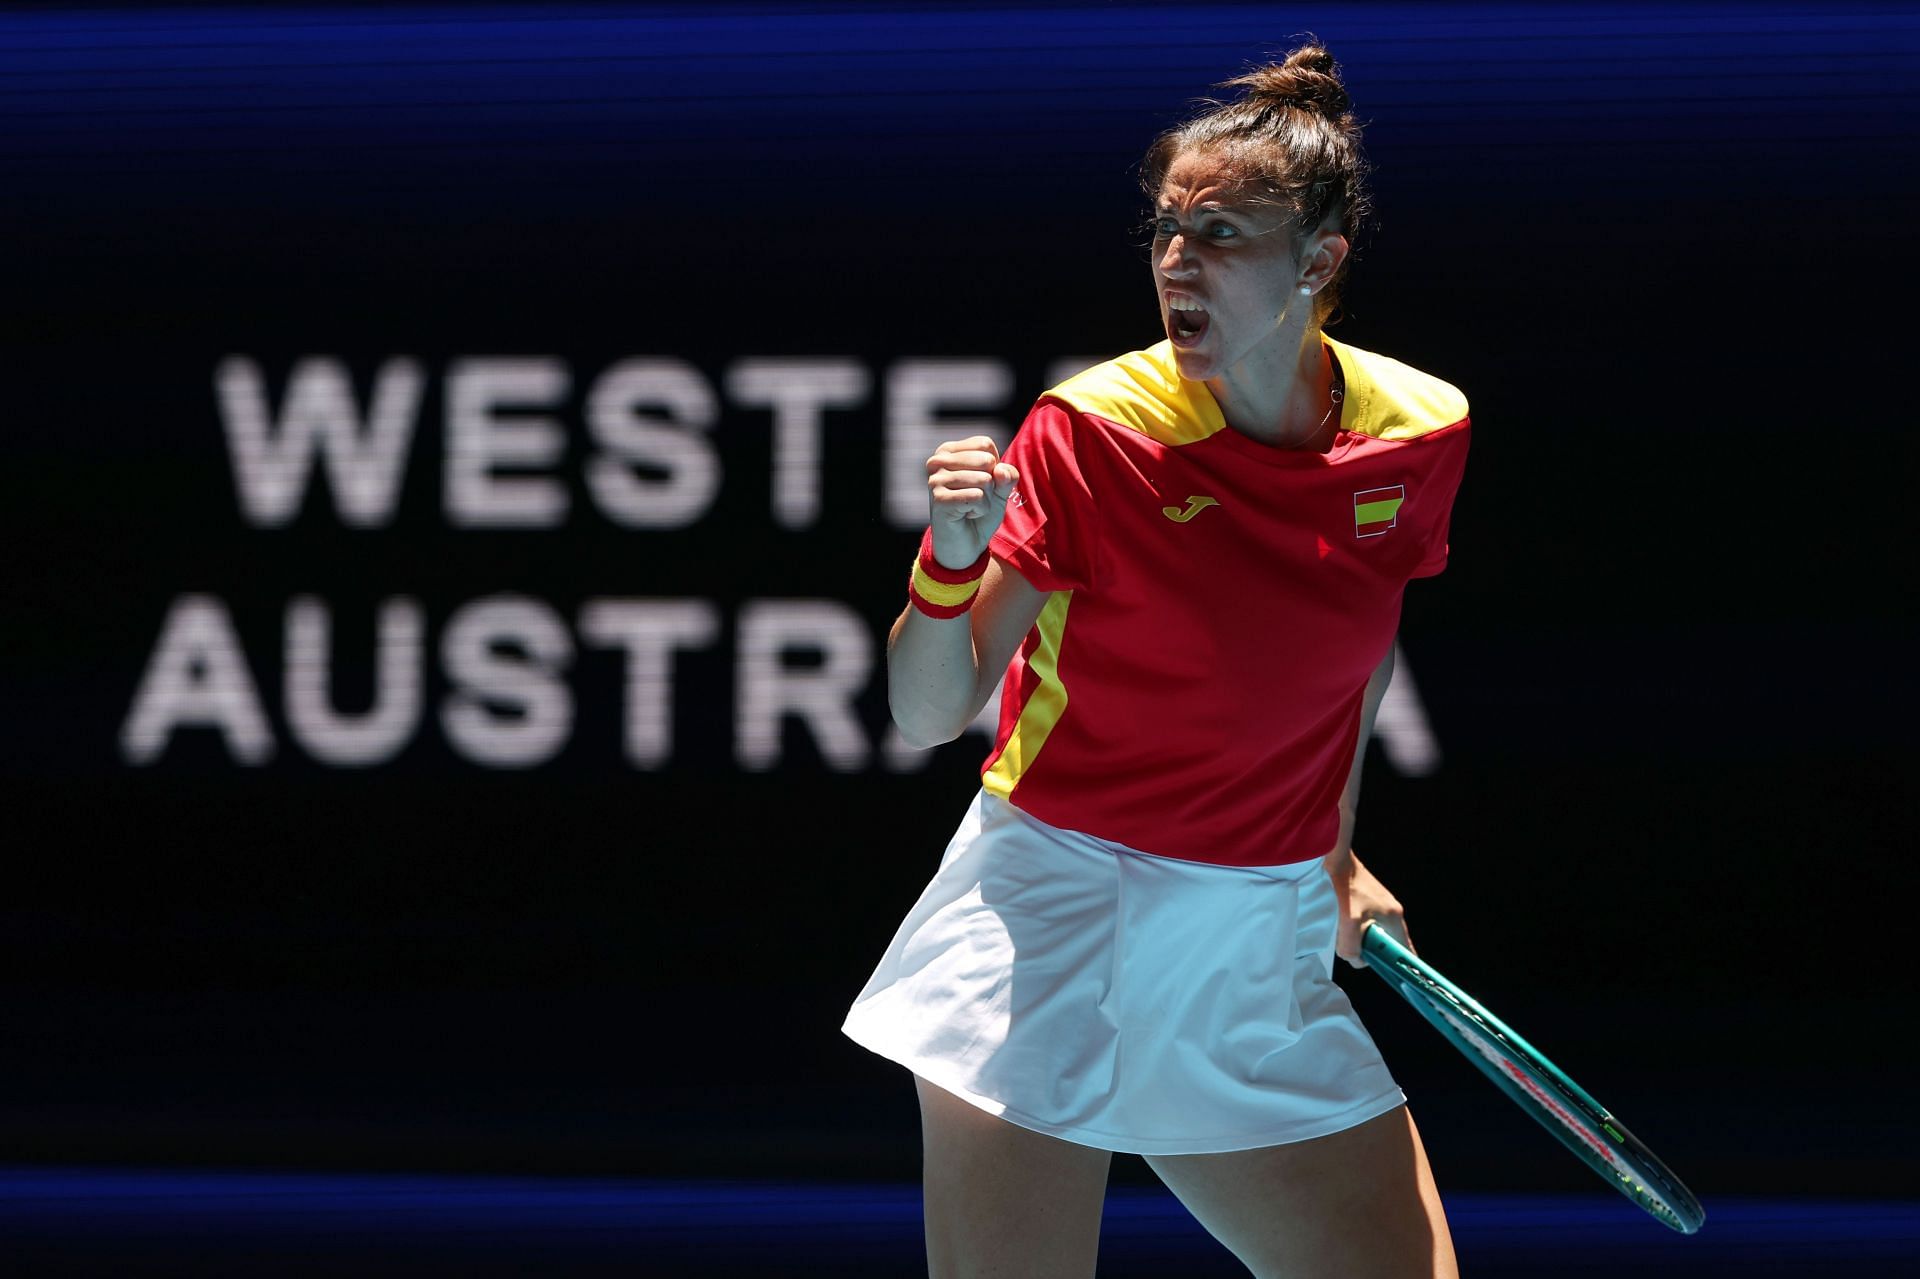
(1539, 1087)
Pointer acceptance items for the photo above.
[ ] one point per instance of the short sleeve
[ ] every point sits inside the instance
(1048, 530)
(1442, 484)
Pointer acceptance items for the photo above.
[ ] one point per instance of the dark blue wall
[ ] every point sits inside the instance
(1661, 248)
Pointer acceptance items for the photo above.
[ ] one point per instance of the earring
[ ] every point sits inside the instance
(1306, 291)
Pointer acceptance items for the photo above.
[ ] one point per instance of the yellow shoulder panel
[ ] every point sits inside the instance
(1143, 390)
(1391, 401)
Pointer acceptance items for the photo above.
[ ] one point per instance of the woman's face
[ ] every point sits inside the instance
(1224, 270)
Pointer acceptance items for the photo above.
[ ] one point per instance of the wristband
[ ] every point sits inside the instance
(939, 591)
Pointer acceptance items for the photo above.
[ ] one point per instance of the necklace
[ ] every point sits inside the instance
(1334, 396)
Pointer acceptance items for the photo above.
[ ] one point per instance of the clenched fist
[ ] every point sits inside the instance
(968, 486)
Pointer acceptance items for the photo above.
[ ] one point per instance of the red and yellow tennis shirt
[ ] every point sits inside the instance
(1195, 685)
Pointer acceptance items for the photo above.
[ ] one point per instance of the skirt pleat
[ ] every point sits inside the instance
(1123, 1000)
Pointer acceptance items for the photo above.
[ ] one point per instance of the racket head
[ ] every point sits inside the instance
(1535, 1084)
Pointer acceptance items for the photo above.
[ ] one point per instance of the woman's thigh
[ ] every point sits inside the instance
(1358, 1204)
(1005, 1200)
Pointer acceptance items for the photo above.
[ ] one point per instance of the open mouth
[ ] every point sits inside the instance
(1185, 324)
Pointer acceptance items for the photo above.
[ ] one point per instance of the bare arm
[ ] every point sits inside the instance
(1363, 898)
(1350, 798)
(940, 671)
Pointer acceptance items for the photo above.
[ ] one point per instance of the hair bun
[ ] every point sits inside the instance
(1309, 79)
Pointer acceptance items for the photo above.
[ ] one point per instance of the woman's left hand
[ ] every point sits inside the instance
(1362, 899)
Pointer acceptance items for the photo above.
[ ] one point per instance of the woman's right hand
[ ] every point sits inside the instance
(968, 486)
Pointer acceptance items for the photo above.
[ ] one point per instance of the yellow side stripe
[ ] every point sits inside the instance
(1043, 709)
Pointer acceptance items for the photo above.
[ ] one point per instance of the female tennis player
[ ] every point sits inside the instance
(1189, 566)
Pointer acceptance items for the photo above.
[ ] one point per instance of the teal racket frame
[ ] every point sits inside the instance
(1535, 1084)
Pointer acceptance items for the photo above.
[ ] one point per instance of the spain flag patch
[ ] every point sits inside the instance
(1377, 510)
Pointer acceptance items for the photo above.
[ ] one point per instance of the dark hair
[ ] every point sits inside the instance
(1292, 135)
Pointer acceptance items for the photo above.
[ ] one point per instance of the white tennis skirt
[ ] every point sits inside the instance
(1123, 1000)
